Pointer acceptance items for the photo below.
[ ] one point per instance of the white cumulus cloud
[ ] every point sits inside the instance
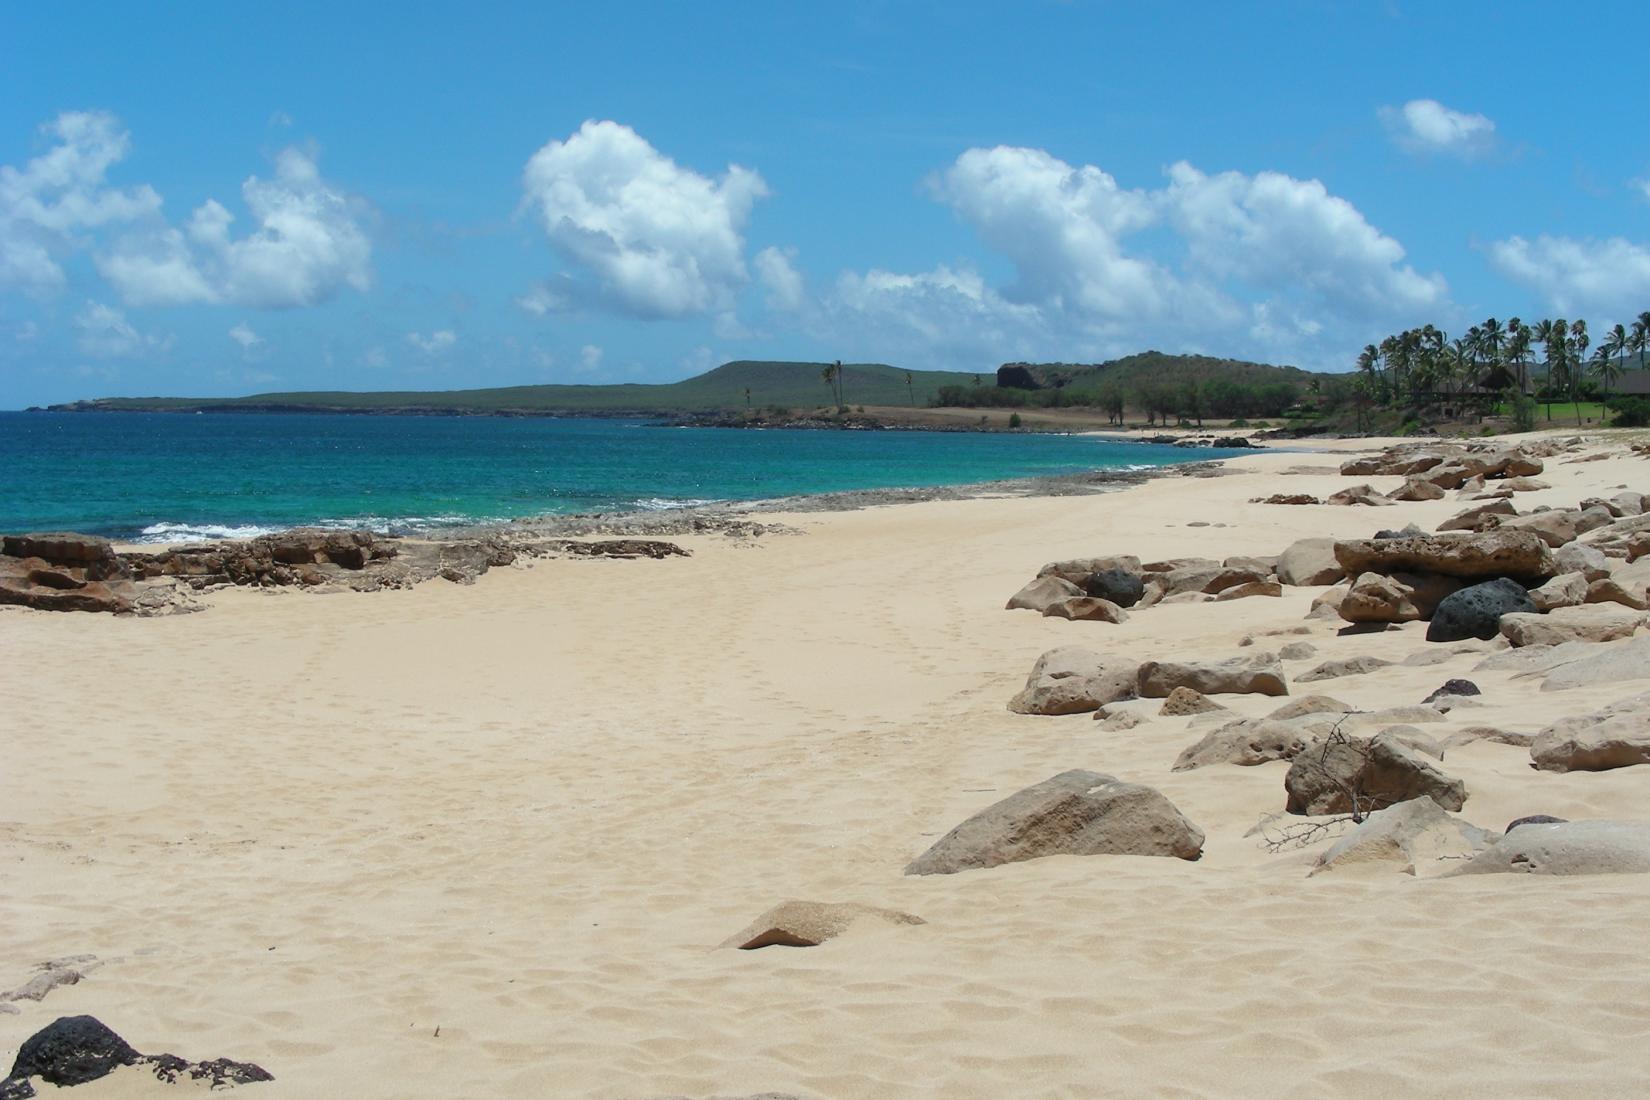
(49, 202)
(436, 343)
(1263, 265)
(245, 337)
(1598, 278)
(104, 331)
(777, 273)
(644, 234)
(1427, 126)
(307, 243)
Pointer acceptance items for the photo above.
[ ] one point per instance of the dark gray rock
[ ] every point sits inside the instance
(73, 1050)
(1403, 533)
(1475, 611)
(1120, 587)
(1453, 687)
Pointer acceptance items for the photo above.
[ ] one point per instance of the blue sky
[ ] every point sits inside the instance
(426, 196)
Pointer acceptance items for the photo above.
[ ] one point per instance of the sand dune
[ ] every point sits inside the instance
(311, 831)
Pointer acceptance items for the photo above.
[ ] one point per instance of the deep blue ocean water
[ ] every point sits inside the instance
(169, 476)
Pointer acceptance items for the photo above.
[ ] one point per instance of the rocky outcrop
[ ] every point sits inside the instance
(1567, 848)
(1079, 813)
(1520, 555)
(73, 1050)
(1341, 774)
(1415, 835)
(1078, 570)
(62, 571)
(1074, 680)
(1259, 674)
(1476, 611)
(811, 923)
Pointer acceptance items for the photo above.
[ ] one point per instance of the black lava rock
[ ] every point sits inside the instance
(1476, 612)
(70, 1050)
(1453, 687)
(1537, 819)
(1117, 585)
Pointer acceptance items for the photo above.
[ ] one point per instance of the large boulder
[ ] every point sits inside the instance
(1077, 570)
(63, 571)
(1042, 593)
(1245, 743)
(1513, 463)
(1074, 680)
(1475, 612)
(1309, 562)
(1613, 738)
(74, 1050)
(1259, 674)
(1119, 586)
(1079, 813)
(1588, 623)
(811, 923)
(1567, 848)
(1395, 598)
(1610, 590)
(1415, 834)
(1521, 555)
(1341, 774)
(1604, 665)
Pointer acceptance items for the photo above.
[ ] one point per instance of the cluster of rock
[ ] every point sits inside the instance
(73, 572)
(73, 1050)
(1105, 589)
(1076, 680)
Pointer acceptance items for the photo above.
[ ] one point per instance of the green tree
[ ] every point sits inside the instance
(1605, 368)
(910, 393)
(829, 374)
(1576, 356)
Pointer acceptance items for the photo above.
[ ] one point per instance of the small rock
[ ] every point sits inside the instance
(1244, 743)
(1476, 611)
(1184, 701)
(1417, 833)
(1564, 590)
(1119, 586)
(1087, 609)
(1567, 848)
(1342, 774)
(1074, 680)
(1453, 687)
(1298, 651)
(1536, 819)
(1588, 623)
(1043, 593)
(1349, 666)
(1360, 494)
(811, 923)
(1260, 674)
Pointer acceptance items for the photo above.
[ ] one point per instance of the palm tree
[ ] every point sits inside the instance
(910, 393)
(1604, 368)
(1577, 356)
(1641, 336)
(1518, 348)
(830, 375)
(1551, 334)
(1492, 337)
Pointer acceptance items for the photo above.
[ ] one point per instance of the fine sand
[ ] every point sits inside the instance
(483, 841)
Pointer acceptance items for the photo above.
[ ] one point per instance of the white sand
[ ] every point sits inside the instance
(313, 830)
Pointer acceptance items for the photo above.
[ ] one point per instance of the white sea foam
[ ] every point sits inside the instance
(201, 532)
(665, 504)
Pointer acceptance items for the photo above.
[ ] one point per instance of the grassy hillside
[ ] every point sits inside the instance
(791, 385)
(1161, 368)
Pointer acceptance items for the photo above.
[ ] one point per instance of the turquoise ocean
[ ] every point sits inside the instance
(175, 477)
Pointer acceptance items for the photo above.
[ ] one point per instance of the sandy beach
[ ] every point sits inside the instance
(485, 840)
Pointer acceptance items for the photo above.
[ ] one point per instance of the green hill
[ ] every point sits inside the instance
(789, 385)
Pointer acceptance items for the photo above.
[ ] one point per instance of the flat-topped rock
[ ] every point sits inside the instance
(1309, 562)
(1074, 813)
(1087, 609)
(1244, 743)
(1588, 623)
(1257, 674)
(1395, 598)
(1521, 555)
